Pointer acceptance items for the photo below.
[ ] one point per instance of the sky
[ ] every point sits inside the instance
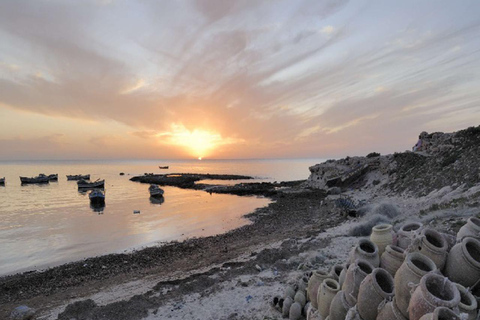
(99, 79)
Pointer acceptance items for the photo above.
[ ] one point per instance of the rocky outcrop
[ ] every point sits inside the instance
(443, 159)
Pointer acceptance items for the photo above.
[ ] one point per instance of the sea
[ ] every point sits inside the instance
(46, 225)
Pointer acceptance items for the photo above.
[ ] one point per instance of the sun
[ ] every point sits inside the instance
(199, 143)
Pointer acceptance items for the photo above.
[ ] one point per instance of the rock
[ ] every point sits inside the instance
(22, 313)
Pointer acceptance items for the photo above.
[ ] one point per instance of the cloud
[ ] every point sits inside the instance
(327, 30)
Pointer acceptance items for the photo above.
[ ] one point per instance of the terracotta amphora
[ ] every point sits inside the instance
(375, 289)
(382, 235)
(300, 298)
(415, 266)
(434, 291)
(356, 272)
(390, 312)
(335, 271)
(468, 303)
(287, 303)
(295, 312)
(431, 244)
(406, 234)
(313, 283)
(441, 313)
(341, 277)
(470, 229)
(326, 292)
(339, 307)
(463, 262)
(392, 259)
(365, 250)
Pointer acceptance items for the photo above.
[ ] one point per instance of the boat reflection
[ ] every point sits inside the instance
(157, 200)
(84, 191)
(97, 207)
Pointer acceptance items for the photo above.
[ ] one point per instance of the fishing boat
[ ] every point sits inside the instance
(90, 185)
(39, 179)
(155, 191)
(78, 177)
(2, 181)
(163, 167)
(97, 197)
(53, 177)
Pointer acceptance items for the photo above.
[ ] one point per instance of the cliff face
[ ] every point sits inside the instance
(443, 159)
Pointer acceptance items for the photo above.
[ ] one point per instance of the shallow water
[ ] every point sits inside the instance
(47, 225)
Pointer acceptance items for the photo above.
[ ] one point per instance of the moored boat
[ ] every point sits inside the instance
(2, 181)
(78, 177)
(85, 184)
(53, 177)
(97, 197)
(163, 167)
(38, 179)
(155, 191)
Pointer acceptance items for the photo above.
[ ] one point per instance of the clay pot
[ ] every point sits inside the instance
(392, 259)
(300, 298)
(434, 291)
(365, 250)
(302, 284)
(335, 271)
(382, 236)
(327, 291)
(475, 290)
(406, 234)
(470, 229)
(390, 312)
(315, 281)
(339, 307)
(353, 314)
(289, 292)
(341, 277)
(375, 289)
(287, 303)
(463, 262)
(356, 272)
(441, 313)
(295, 311)
(468, 303)
(415, 266)
(431, 244)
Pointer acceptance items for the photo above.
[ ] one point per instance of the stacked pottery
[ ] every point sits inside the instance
(441, 313)
(314, 283)
(390, 312)
(392, 259)
(300, 298)
(406, 234)
(382, 235)
(366, 250)
(415, 266)
(470, 229)
(431, 244)
(327, 291)
(356, 272)
(434, 291)
(287, 303)
(468, 303)
(375, 289)
(463, 263)
(289, 292)
(339, 307)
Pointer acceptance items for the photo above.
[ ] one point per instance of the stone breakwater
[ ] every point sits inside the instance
(418, 273)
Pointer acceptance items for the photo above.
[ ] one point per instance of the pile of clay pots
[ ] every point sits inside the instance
(416, 273)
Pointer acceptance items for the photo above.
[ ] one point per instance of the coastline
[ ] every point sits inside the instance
(289, 215)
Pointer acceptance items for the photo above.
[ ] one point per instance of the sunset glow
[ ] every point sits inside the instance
(242, 79)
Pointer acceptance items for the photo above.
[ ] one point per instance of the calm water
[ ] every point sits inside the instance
(47, 225)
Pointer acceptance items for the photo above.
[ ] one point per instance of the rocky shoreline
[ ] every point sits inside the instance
(310, 225)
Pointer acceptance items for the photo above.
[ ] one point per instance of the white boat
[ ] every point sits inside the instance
(85, 184)
(97, 197)
(155, 191)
